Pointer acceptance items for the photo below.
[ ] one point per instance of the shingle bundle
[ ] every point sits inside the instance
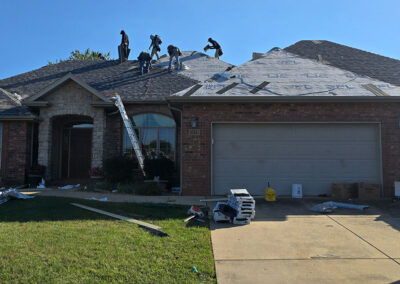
(240, 208)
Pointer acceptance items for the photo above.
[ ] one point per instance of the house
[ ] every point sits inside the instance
(288, 120)
(62, 116)
(283, 118)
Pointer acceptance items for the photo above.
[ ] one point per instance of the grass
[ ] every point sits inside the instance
(47, 240)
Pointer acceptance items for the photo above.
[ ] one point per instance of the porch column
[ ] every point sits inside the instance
(99, 123)
(44, 144)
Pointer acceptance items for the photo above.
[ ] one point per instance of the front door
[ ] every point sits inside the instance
(76, 152)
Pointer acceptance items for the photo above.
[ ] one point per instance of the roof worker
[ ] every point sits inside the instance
(144, 58)
(173, 51)
(214, 45)
(155, 43)
(101, 56)
(124, 46)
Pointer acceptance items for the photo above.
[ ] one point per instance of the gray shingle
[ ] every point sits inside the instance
(348, 58)
(107, 77)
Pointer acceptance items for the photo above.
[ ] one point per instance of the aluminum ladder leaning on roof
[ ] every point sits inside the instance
(131, 133)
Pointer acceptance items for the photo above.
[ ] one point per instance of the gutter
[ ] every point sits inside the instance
(285, 99)
(19, 118)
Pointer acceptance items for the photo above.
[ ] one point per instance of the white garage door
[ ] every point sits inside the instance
(314, 155)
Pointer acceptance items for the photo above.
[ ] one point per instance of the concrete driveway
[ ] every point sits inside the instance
(286, 243)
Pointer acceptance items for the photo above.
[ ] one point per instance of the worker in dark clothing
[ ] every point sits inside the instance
(101, 56)
(124, 46)
(214, 45)
(155, 43)
(144, 58)
(173, 51)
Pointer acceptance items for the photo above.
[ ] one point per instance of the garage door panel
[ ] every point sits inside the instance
(315, 155)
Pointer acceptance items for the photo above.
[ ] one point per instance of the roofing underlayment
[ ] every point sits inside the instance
(196, 65)
(345, 57)
(281, 73)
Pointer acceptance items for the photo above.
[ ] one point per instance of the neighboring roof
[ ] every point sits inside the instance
(283, 74)
(196, 65)
(10, 107)
(105, 76)
(355, 60)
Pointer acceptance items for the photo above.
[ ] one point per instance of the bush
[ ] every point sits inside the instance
(119, 169)
(148, 188)
(126, 188)
(161, 167)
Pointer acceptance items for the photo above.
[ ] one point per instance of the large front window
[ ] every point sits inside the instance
(156, 134)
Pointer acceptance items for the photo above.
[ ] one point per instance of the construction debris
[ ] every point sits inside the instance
(69, 186)
(153, 228)
(330, 206)
(239, 209)
(41, 184)
(98, 199)
(12, 193)
(195, 210)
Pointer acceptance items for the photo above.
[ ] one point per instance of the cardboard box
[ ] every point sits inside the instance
(344, 190)
(369, 191)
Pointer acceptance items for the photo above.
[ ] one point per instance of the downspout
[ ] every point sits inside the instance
(180, 144)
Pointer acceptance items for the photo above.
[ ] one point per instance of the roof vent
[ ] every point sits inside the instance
(259, 87)
(274, 49)
(192, 90)
(227, 88)
(375, 90)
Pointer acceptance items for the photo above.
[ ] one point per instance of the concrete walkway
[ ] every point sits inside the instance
(118, 197)
(289, 244)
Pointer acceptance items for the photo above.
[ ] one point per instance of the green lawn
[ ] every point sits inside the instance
(47, 240)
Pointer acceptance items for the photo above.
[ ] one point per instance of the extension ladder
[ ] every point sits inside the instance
(129, 128)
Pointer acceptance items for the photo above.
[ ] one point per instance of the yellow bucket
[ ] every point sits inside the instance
(270, 194)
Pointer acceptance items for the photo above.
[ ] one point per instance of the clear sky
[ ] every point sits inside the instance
(35, 32)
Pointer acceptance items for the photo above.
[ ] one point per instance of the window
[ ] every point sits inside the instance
(156, 134)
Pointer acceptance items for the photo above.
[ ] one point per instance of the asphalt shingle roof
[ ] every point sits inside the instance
(107, 77)
(10, 106)
(355, 60)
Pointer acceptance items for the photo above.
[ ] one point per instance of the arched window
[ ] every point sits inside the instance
(156, 133)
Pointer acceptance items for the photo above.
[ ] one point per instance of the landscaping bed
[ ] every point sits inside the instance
(46, 240)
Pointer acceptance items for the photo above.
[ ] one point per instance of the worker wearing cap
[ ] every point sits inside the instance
(155, 45)
(124, 45)
(173, 51)
(144, 58)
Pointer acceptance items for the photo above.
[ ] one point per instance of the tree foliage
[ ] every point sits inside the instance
(86, 55)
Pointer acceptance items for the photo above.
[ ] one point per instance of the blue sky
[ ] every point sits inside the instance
(35, 32)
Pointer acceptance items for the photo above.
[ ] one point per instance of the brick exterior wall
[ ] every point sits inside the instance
(15, 156)
(196, 151)
(70, 99)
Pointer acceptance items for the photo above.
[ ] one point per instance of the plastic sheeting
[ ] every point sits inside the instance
(12, 193)
(330, 206)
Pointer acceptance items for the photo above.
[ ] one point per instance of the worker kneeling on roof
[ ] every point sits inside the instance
(144, 58)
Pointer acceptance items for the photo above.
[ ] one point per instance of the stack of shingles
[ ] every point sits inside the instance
(240, 208)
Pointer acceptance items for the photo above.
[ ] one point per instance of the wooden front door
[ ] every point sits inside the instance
(76, 153)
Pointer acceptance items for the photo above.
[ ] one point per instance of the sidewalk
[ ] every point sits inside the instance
(120, 197)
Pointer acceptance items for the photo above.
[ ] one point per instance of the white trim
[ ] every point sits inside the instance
(380, 168)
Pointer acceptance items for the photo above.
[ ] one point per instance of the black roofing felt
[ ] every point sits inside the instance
(355, 60)
(107, 77)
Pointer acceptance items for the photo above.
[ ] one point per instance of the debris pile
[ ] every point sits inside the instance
(330, 206)
(240, 208)
(12, 193)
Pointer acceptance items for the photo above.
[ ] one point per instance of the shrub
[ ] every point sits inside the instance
(162, 167)
(119, 169)
(96, 171)
(148, 188)
(126, 188)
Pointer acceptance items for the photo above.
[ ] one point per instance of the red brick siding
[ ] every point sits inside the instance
(196, 152)
(15, 152)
